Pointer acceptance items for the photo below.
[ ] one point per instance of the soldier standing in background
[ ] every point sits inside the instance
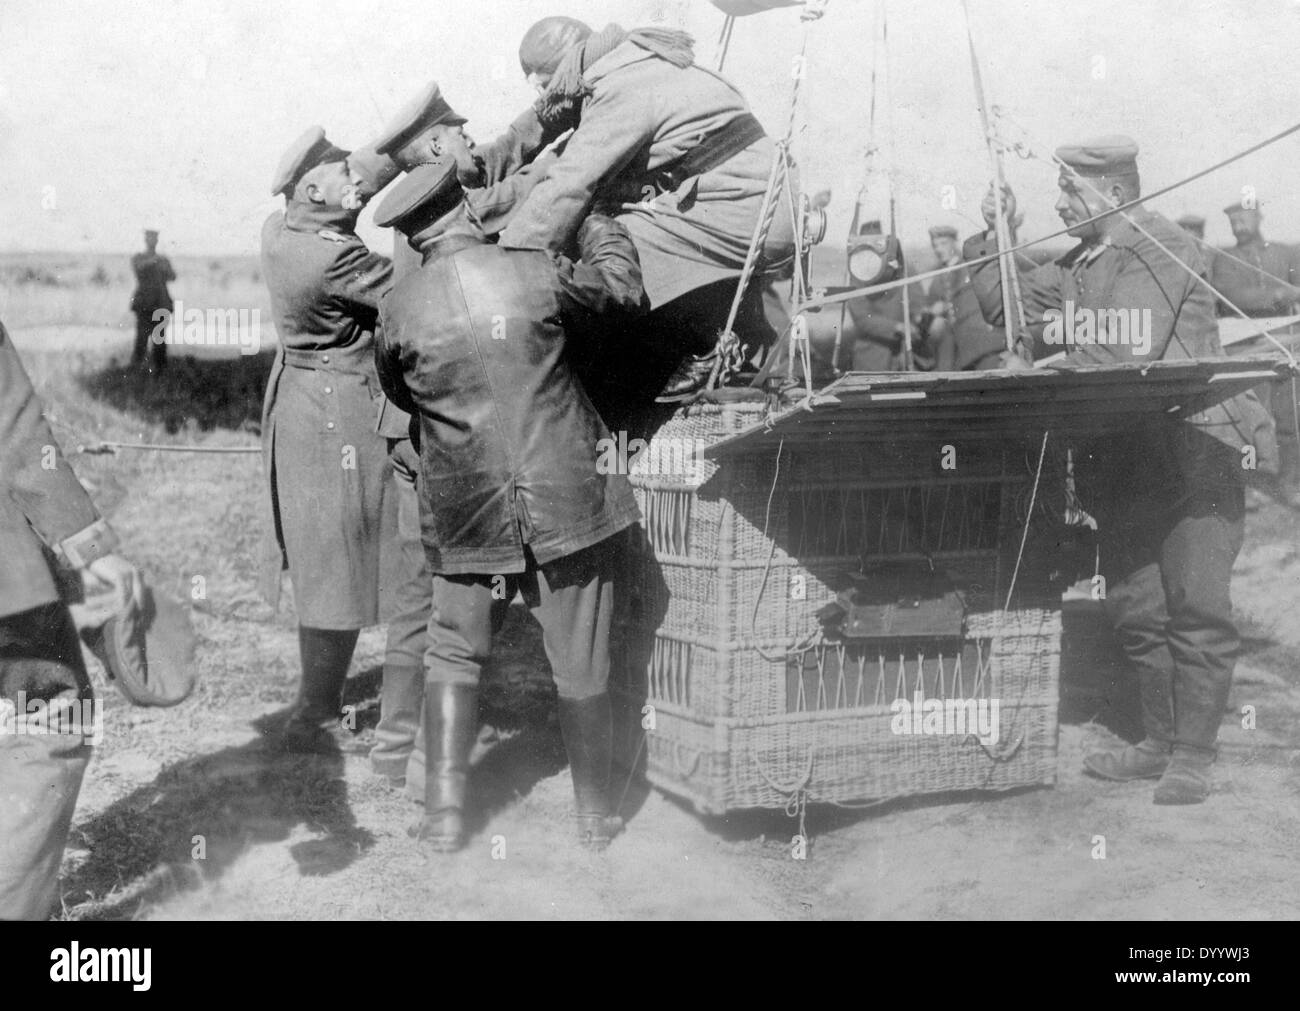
(150, 298)
(964, 340)
(1260, 278)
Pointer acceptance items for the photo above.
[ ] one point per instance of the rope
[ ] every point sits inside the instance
(1227, 254)
(1024, 534)
(94, 448)
(1006, 262)
(978, 261)
(728, 352)
(891, 175)
(724, 40)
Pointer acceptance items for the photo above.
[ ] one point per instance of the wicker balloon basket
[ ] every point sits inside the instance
(731, 685)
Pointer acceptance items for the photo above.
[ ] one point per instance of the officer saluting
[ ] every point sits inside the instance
(326, 464)
(1169, 498)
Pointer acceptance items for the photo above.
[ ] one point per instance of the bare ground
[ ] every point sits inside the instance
(185, 814)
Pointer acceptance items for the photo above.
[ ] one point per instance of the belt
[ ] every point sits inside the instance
(715, 149)
(358, 358)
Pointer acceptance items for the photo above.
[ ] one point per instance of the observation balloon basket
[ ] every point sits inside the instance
(852, 598)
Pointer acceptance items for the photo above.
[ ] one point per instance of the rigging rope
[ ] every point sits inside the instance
(1006, 262)
(977, 261)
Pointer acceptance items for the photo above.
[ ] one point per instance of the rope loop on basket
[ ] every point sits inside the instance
(796, 791)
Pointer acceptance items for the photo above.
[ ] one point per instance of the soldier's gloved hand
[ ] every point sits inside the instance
(556, 147)
(989, 208)
(608, 276)
(110, 585)
(1011, 360)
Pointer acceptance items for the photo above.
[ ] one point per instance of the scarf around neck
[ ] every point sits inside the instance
(563, 96)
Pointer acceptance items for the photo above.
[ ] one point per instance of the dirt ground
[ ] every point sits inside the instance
(185, 814)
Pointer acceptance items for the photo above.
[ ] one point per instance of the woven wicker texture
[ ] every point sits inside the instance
(753, 707)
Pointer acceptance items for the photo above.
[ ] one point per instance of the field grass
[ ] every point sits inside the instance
(90, 289)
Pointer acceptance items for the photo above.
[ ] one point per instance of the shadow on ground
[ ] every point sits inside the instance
(197, 817)
(208, 393)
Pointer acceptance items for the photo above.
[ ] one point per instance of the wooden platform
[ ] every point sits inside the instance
(1088, 401)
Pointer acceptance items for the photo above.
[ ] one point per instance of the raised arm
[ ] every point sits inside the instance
(608, 277)
(515, 148)
(609, 136)
(1040, 288)
(361, 278)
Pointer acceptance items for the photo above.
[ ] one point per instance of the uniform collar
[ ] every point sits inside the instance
(305, 216)
(432, 249)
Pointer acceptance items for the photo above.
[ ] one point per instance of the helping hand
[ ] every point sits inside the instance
(111, 586)
(989, 208)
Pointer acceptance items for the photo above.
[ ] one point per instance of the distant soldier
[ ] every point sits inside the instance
(46, 520)
(963, 339)
(1260, 278)
(511, 495)
(1168, 496)
(326, 425)
(151, 302)
(1192, 224)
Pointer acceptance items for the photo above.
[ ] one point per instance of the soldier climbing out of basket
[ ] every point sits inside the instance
(671, 150)
(1168, 498)
(511, 497)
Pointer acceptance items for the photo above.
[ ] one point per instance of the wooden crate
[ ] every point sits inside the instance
(717, 631)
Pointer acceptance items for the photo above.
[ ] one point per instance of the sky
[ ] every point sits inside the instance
(116, 116)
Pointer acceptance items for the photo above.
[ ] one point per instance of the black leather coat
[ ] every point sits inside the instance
(472, 345)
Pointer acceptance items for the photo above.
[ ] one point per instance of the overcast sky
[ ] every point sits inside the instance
(173, 113)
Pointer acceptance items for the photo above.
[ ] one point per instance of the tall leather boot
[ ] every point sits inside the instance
(587, 727)
(400, 700)
(450, 729)
(1199, 700)
(313, 725)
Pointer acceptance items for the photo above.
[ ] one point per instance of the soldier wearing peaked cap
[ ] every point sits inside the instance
(1168, 499)
(325, 424)
(496, 177)
(963, 340)
(1262, 278)
(510, 480)
(1193, 224)
(150, 299)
